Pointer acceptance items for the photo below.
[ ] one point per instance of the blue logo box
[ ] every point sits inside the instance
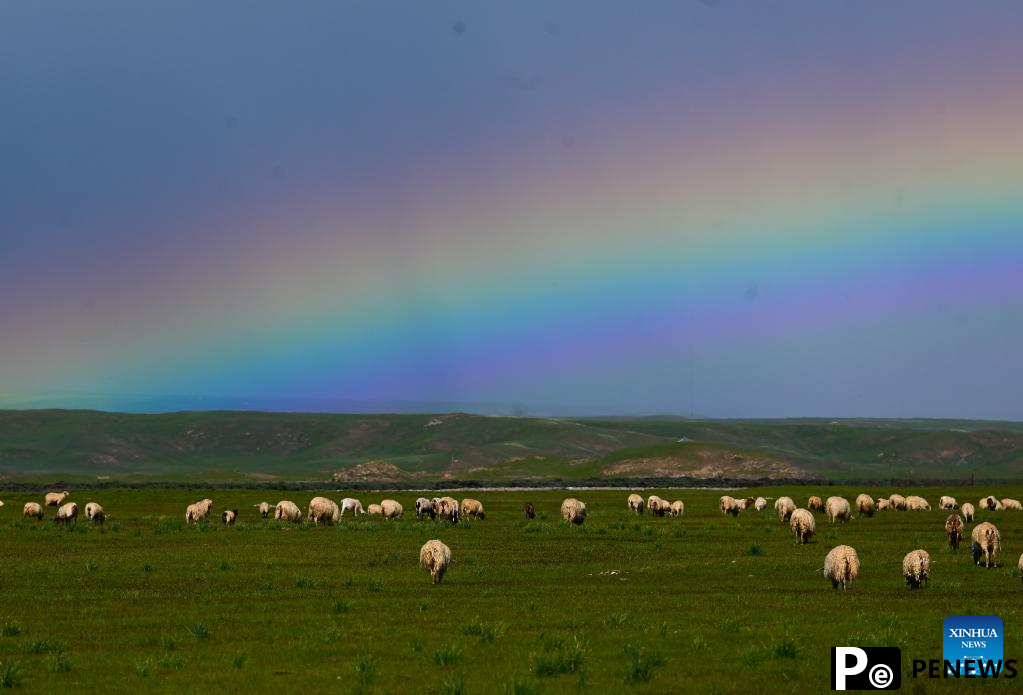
(973, 637)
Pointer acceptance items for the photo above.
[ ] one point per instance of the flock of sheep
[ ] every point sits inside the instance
(841, 565)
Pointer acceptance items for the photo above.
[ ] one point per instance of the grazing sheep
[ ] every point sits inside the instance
(742, 504)
(323, 509)
(968, 512)
(200, 511)
(95, 513)
(954, 530)
(573, 510)
(802, 525)
(986, 543)
(529, 510)
(375, 510)
(1019, 565)
(815, 504)
(841, 566)
(447, 508)
(392, 509)
(473, 508)
(1, 503)
(55, 499)
(424, 507)
(916, 568)
(865, 505)
(947, 503)
(991, 504)
(917, 504)
(434, 557)
(837, 509)
(286, 510)
(897, 502)
(67, 513)
(33, 510)
(784, 506)
(353, 505)
(1014, 505)
(264, 509)
(656, 506)
(760, 504)
(728, 505)
(883, 504)
(636, 503)
(229, 516)
(678, 507)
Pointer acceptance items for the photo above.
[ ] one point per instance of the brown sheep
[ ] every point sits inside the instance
(529, 510)
(986, 543)
(434, 557)
(954, 530)
(33, 510)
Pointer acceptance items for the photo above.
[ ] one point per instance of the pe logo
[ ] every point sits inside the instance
(870, 668)
(973, 641)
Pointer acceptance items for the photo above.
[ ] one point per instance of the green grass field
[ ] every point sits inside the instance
(703, 603)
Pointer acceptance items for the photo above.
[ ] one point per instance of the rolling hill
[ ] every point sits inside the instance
(237, 446)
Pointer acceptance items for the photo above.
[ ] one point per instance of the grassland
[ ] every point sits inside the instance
(704, 603)
(244, 447)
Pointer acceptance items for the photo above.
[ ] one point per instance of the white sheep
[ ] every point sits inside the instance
(472, 507)
(67, 513)
(802, 525)
(987, 542)
(350, 504)
(636, 503)
(915, 503)
(424, 507)
(784, 506)
(897, 502)
(447, 509)
(991, 503)
(678, 507)
(391, 509)
(264, 509)
(323, 509)
(375, 510)
(1014, 505)
(55, 499)
(200, 511)
(815, 504)
(865, 504)
(968, 512)
(286, 510)
(33, 510)
(573, 510)
(837, 509)
(656, 506)
(760, 504)
(842, 566)
(947, 503)
(95, 513)
(1019, 565)
(728, 505)
(229, 516)
(883, 504)
(916, 568)
(954, 530)
(434, 557)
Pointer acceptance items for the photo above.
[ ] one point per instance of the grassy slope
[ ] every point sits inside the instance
(216, 446)
(303, 607)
